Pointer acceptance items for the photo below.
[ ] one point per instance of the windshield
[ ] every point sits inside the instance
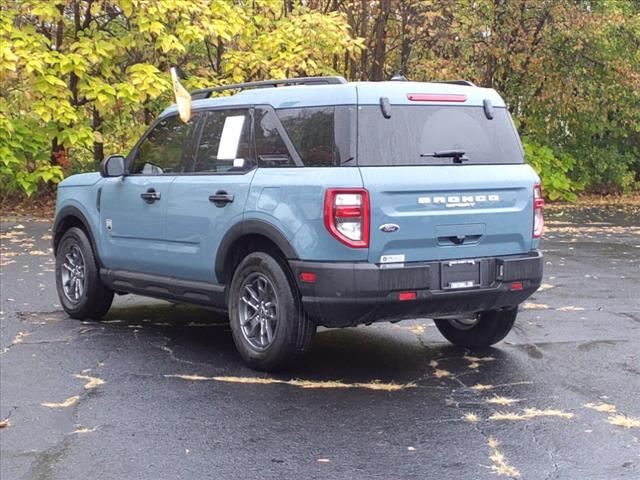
(414, 133)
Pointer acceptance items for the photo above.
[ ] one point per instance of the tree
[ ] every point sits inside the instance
(90, 75)
(569, 72)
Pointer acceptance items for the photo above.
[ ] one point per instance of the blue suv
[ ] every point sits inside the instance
(313, 201)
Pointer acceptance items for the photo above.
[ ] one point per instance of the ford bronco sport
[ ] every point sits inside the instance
(313, 201)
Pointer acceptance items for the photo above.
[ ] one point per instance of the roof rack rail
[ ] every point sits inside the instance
(466, 83)
(206, 92)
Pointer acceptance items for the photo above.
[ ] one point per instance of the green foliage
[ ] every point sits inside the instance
(24, 161)
(554, 171)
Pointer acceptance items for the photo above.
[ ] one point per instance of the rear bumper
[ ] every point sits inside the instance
(346, 294)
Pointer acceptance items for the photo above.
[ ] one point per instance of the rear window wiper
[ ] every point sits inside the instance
(457, 155)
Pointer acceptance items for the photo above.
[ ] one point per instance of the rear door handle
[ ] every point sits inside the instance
(150, 195)
(221, 198)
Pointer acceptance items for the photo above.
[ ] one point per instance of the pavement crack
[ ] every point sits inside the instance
(169, 351)
(549, 452)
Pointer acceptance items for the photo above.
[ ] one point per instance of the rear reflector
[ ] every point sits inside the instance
(436, 97)
(308, 277)
(515, 286)
(407, 296)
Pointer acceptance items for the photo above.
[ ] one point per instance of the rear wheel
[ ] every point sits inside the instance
(80, 289)
(270, 329)
(483, 330)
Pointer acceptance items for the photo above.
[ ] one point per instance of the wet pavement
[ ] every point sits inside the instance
(156, 391)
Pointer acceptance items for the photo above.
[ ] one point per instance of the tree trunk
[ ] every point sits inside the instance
(405, 41)
(98, 147)
(364, 56)
(380, 41)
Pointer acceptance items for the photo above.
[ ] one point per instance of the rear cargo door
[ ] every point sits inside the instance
(426, 205)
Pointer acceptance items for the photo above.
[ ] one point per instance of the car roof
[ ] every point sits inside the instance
(352, 93)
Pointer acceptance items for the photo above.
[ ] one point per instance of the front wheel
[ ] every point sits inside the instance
(269, 327)
(484, 330)
(80, 289)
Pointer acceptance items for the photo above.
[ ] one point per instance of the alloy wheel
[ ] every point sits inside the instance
(258, 308)
(73, 274)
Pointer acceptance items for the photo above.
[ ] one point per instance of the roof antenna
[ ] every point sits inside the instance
(399, 77)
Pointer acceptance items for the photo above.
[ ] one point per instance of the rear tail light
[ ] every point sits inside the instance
(538, 215)
(346, 215)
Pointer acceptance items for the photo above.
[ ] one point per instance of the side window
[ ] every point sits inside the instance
(162, 150)
(311, 131)
(270, 148)
(225, 142)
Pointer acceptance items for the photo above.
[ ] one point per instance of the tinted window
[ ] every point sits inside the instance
(162, 150)
(415, 130)
(270, 148)
(311, 131)
(225, 139)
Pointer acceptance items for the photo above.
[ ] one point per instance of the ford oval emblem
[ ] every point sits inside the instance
(389, 228)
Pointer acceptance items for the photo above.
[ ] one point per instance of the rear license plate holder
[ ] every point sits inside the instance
(460, 274)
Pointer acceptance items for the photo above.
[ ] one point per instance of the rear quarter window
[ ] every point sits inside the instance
(311, 131)
(322, 136)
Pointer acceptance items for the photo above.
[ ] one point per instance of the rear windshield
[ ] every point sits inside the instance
(412, 132)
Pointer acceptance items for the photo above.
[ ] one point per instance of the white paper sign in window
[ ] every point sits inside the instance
(228, 148)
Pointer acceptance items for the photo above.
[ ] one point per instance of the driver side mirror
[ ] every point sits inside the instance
(112, 166)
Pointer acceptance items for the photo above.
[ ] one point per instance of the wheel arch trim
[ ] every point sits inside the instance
(65, 213)
(251, 227)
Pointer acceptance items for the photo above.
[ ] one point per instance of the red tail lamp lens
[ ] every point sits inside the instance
(346, 215)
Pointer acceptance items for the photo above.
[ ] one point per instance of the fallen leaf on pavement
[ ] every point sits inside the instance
(67, 403)
(92, 382)
(624, 421)
(471, 417)
(570, 308)
(601, 407)
(84, 430)
(479, 387)
(529, 413)
(498, 400)
(534, 306)
(500, 465)
(373, 385)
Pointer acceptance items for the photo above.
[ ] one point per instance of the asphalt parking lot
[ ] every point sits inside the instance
(156, 391)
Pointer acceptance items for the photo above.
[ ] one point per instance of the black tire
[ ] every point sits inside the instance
(95, 298)
(293, 331)
(491, 327)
